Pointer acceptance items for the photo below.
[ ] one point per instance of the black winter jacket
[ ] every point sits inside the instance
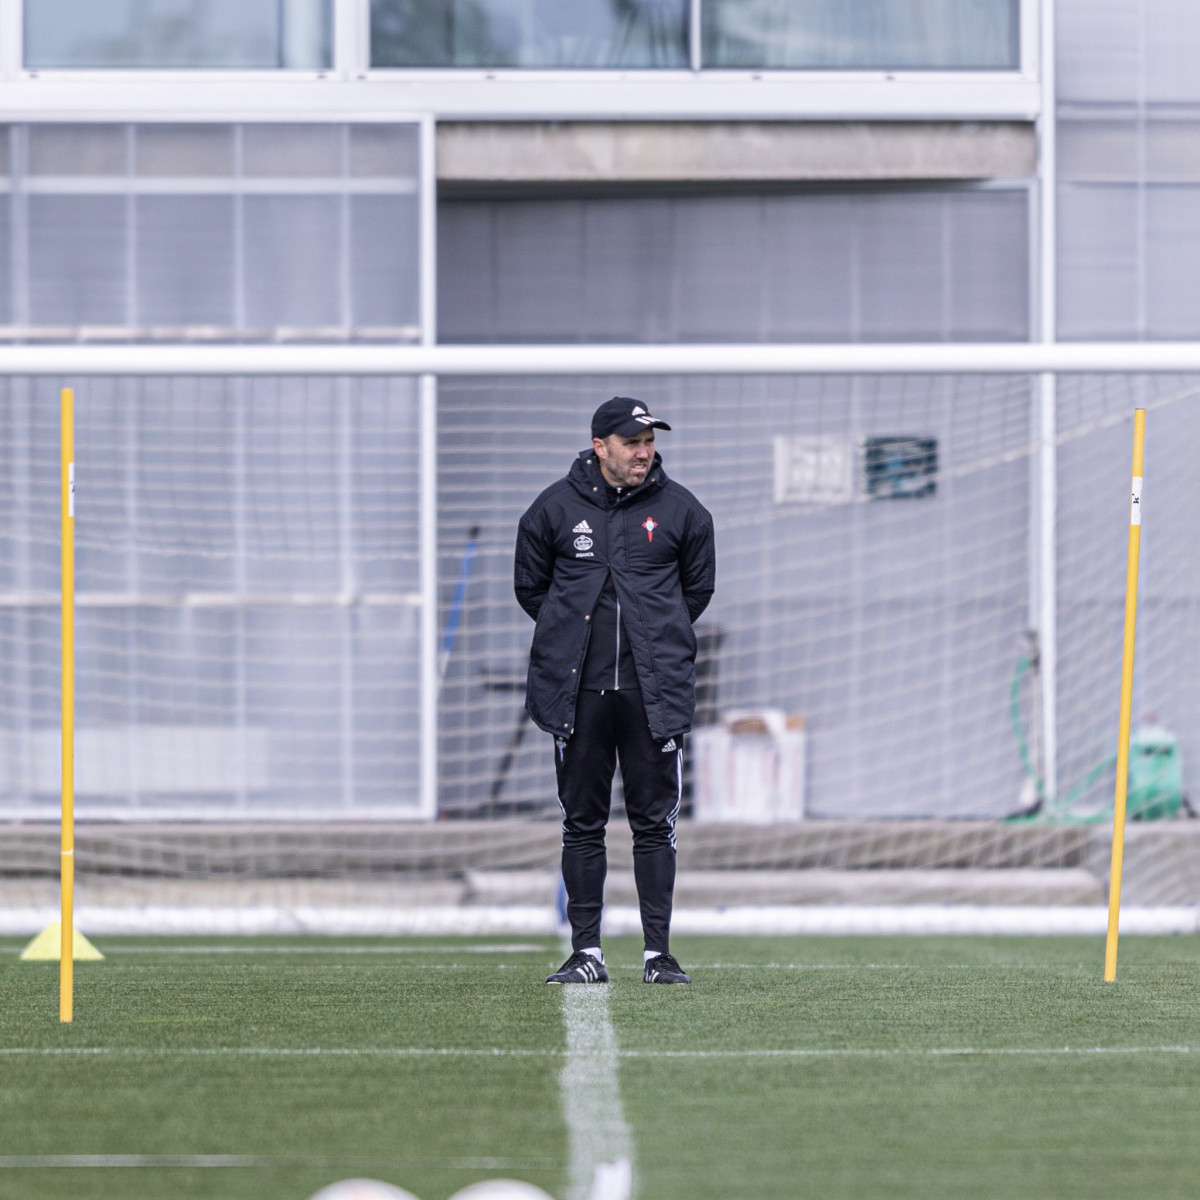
(656, 541)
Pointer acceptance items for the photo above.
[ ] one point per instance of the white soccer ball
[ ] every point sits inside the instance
(501, 1189)
(362, 1189)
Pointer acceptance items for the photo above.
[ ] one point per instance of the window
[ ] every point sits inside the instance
(829, 35)
(253, 231)
(833, 35)
(852, 264)
(529, 33)
(174, 34)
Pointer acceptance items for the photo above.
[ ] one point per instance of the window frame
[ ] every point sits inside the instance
(476, 94)
(423, 191)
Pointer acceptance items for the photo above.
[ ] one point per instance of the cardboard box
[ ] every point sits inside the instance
(750, 768)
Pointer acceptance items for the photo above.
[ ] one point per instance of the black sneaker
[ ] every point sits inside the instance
(664, 969)
(579, 968)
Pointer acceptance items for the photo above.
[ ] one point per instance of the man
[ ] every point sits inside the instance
(614, 563)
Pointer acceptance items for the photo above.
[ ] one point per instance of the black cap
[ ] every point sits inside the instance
(625, 417)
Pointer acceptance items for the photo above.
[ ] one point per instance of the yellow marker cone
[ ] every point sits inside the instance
(47, 946)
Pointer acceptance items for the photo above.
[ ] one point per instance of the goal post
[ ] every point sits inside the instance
(271, 542)
(598, 359)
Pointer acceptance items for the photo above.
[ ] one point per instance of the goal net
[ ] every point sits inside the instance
(908, 679)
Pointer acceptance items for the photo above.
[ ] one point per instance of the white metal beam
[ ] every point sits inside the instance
(526, 95)
(430, 679)
(1045, 572)
(960, 358)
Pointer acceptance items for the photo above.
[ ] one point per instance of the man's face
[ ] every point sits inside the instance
(624, 461)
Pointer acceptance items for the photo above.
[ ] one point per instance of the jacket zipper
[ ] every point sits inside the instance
(617, 661)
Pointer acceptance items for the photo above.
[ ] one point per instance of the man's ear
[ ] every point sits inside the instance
(599, 448)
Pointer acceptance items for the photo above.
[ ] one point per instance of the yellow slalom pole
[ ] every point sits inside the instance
(66, 962)
(1131, 587)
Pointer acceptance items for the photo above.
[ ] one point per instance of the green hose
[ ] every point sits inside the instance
(1014, 710)
(1049, 808)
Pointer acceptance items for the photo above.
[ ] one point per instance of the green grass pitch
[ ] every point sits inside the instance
(792, 1067)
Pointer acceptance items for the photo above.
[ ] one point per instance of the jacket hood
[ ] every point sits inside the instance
(587, 479)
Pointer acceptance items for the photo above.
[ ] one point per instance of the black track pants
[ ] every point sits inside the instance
(612, 727)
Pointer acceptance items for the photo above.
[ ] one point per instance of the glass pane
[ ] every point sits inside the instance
(847, 265)
(184, 150)
(914, 35)
(77, 150)
(292, 151)
(291, 268)
(77, 260)
(1113, 53)
(529, 33)
(380, 151)
(1172, 255)
(1099, 268)
(185, 260)
(6, 288)
(238, 34)
(384, 262)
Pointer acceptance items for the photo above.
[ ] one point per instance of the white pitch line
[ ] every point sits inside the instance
(927, 1052)
(504, 948)
(10, 1161)
(601, 1146)
(14, 1161)
(312, 968)
(869, 966)
(585, 1069)
(273, 1052)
